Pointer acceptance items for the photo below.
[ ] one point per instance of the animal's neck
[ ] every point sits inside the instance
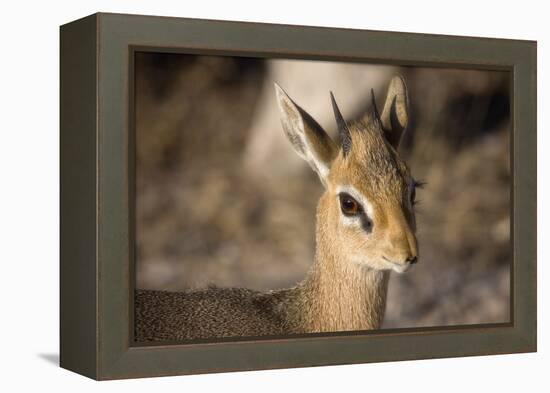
(339, 294)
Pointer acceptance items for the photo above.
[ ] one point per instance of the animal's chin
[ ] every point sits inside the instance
(401, 268)
(382, 265)
(397, 267)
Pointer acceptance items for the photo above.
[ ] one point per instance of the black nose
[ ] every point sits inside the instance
(412, 260)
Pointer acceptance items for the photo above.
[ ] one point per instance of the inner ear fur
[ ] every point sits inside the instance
(307, 137)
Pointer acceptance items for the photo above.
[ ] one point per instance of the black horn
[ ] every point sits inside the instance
(375, 113)
(343, 131)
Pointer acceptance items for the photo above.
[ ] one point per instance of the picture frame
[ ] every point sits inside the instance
(97, 195)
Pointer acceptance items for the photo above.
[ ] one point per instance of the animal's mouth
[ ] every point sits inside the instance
(398, 267)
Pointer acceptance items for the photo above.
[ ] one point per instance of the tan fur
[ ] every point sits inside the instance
(374, 168)
(346, 286)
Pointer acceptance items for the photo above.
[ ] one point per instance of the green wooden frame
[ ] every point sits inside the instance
(97, 195)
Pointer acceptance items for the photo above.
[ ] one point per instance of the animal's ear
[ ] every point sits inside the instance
(395, 115)
(307, 137)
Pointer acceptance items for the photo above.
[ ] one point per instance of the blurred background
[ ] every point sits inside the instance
(223, 199)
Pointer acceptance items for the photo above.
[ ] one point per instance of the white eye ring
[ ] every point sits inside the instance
(360, 198)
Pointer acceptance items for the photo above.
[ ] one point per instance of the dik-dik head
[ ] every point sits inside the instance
(367, 210)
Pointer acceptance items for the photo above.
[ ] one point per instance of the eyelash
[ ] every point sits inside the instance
(416, 184)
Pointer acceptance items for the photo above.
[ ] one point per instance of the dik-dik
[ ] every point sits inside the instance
(365, 228)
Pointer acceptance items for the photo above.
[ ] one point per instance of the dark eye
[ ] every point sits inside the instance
(349, 206)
